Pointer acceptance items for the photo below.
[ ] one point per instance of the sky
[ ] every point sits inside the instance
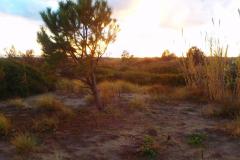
(148, 27)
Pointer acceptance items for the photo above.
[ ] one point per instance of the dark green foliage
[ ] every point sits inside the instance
(197, 139)
(139, 77)
(148, 149)
(20, 80)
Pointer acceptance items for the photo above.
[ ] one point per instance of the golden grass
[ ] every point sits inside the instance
(233, 127)
(89, 99)
(51, 104)
(71, 86)
(25, 143)
(45, 124)
(138, 102)
(111, 92)
(5, 125)
(17, 102)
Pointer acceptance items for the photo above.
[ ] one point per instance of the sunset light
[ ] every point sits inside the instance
(148, 27)
(119, 79)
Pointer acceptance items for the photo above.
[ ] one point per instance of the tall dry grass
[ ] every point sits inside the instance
(216, 76)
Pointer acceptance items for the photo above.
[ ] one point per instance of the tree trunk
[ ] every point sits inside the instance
(95, 92)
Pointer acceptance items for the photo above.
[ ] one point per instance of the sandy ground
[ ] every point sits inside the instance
(170, 124)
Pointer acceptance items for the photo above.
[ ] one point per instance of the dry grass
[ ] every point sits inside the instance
(138, 102)
(225, 110)
(45, 124)
(25, 143)
(89, 99)
(233, 127)
(5, 125)
(215, 75)
(111, 92)
(17, 102)
(71, 86)
(51, 104)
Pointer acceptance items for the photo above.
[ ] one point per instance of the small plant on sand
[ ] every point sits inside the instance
(45, 124)
(112, 91)
(233, 127)
(5, 125)
(89, 99)
(138, 102)
(148, 148)
(25, 143)
(197, 139)
(52, 104)
(17, 102)
(228, 110)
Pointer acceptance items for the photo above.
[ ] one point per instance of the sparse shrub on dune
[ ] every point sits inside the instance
(138, 102)
(71, 86)
(232, 128)
(227, 110)
(5, 125)
(51, 104)
(45, 124)
(17, 102)
(112, 91)
(149, 148)
(25, 143)
(89, 99)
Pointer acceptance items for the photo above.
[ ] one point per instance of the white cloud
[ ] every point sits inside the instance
(18, 31)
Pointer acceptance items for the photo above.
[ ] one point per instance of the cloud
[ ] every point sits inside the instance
(18, 31)
(189, 13)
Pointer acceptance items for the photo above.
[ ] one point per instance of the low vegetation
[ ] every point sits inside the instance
(5, 125)
(19, 79)
(197, 139)
(148, 148)
(45, 124)
(25, 143)
(17, 102)
(51, 104)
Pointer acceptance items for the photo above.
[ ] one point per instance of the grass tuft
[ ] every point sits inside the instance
(17, 102)
(51, 104)
(25, 143)
(5, 125)
(45, 124)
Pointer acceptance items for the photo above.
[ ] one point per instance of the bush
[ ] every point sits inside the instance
(149, 149)
(196, 139)
(25, 143)
(5, 125)
(20, 80)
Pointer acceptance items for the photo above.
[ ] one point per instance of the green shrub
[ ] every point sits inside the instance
(197, 139)
(141, 77)
(20, 79)
(148, 148)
